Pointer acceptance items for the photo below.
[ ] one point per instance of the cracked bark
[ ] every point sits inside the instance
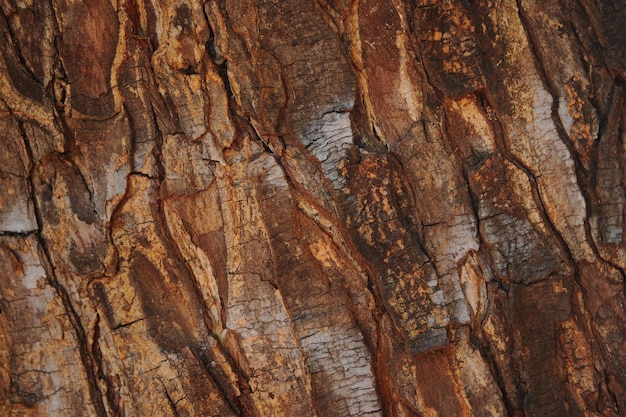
(317, 208)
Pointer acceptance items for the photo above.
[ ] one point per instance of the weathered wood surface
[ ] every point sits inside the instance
(312, 208)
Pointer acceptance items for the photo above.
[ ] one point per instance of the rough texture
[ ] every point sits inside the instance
(312, 208)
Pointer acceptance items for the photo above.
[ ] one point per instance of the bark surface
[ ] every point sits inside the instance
(312, 208)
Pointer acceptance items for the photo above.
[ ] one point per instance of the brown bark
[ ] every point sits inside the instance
(312, 208)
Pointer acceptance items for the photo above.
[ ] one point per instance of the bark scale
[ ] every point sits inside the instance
(312, 208)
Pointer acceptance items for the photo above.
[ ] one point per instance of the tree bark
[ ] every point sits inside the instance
(312, 208)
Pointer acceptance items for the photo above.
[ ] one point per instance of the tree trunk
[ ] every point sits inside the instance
(312, 208)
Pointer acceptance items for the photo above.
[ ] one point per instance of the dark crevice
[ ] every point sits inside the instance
(264, 142)
(613, 121)
(142, 175)
(132, 150)
(587, 58)
(223, 295)
(484, 350)
(112, 398)
(403, 197)
(498, 131)
(157, 152)
(499, 136)
(582, 175)
(67, 158)
(243, 123)
(18, 50)
(607, 383)
(221, 64)
(88, 361)
(170, 401)
(271, 281)
(352, 256)
(241, 405)
(205, 356)
(300, 193)
(128, 324)
(189, 70)
(485, 248)
(17, 234)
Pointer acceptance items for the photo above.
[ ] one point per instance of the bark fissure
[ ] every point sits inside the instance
(581, 174)
(89, 363)
(323, 208)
